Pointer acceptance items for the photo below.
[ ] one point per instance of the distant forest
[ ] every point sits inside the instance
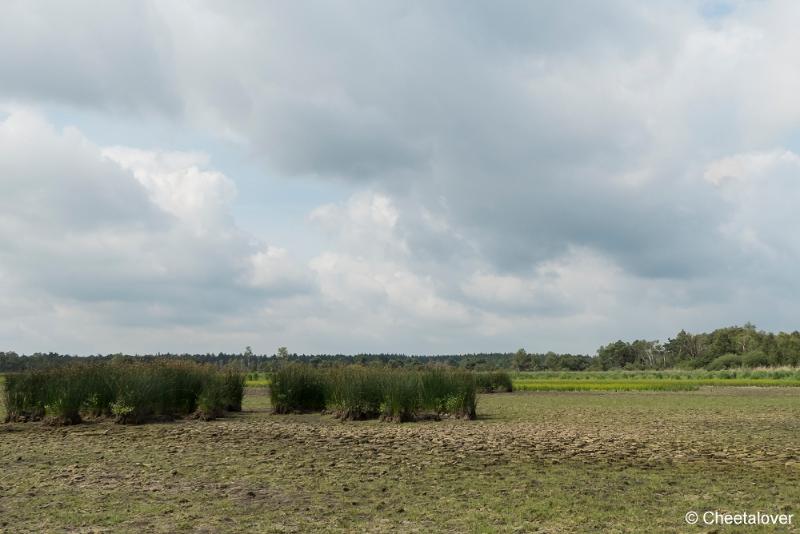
(724, 348)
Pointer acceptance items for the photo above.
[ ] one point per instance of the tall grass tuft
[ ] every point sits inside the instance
(131, 391)
(100, 382)
(67, 388)
(25, 396)
(402, 395)
(449, 393)
(494, 381)
(211, 399)
(355, 393)
(297, 388)
(233, 390)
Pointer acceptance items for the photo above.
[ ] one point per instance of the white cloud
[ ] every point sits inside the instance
(176, 183)
(371, 268)
(518, 169)
(580, 282)
(275, 270)
(367, 222)
(748, 166)
(120, 236)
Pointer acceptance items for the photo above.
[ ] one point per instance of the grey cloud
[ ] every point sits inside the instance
(530, 129)
(87, 53)
(514, 128)
(79, 229)
(64, 191)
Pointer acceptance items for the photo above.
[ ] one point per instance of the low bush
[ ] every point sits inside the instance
(755, 358)
(725, 361)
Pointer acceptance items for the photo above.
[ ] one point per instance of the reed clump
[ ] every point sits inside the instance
(354, 393)
(129, 391)
(494, 381)
(233, 390)
(357, 393)
(298, 388)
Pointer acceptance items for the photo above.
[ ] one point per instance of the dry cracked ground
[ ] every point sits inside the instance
(533, 462)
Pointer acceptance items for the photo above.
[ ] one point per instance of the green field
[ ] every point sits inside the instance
(646, 384)
(258, 379)
(778, 373)
(668, 380)
(653, 380)
(546, 461)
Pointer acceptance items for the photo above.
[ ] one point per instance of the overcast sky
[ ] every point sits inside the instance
(419, 177)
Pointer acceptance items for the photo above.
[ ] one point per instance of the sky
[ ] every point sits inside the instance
(412, 176)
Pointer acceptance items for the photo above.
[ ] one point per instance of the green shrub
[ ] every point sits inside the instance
(755, 358)
(724, 362)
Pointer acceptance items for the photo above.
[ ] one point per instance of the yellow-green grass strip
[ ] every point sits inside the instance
(646, 385)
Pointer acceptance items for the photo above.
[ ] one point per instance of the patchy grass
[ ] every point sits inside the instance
(546, 461)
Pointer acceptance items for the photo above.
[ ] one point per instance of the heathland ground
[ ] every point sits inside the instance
(632, 461)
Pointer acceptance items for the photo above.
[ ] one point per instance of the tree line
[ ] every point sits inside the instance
(724, 348)
(732, 346)
(249, 362)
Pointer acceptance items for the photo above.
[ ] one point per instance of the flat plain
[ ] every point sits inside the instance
(586, 461)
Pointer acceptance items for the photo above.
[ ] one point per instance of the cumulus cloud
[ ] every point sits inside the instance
(543, 127)
(176, 183)
(131, 236)
(372, 276)
(554, 288)
(511, 170)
